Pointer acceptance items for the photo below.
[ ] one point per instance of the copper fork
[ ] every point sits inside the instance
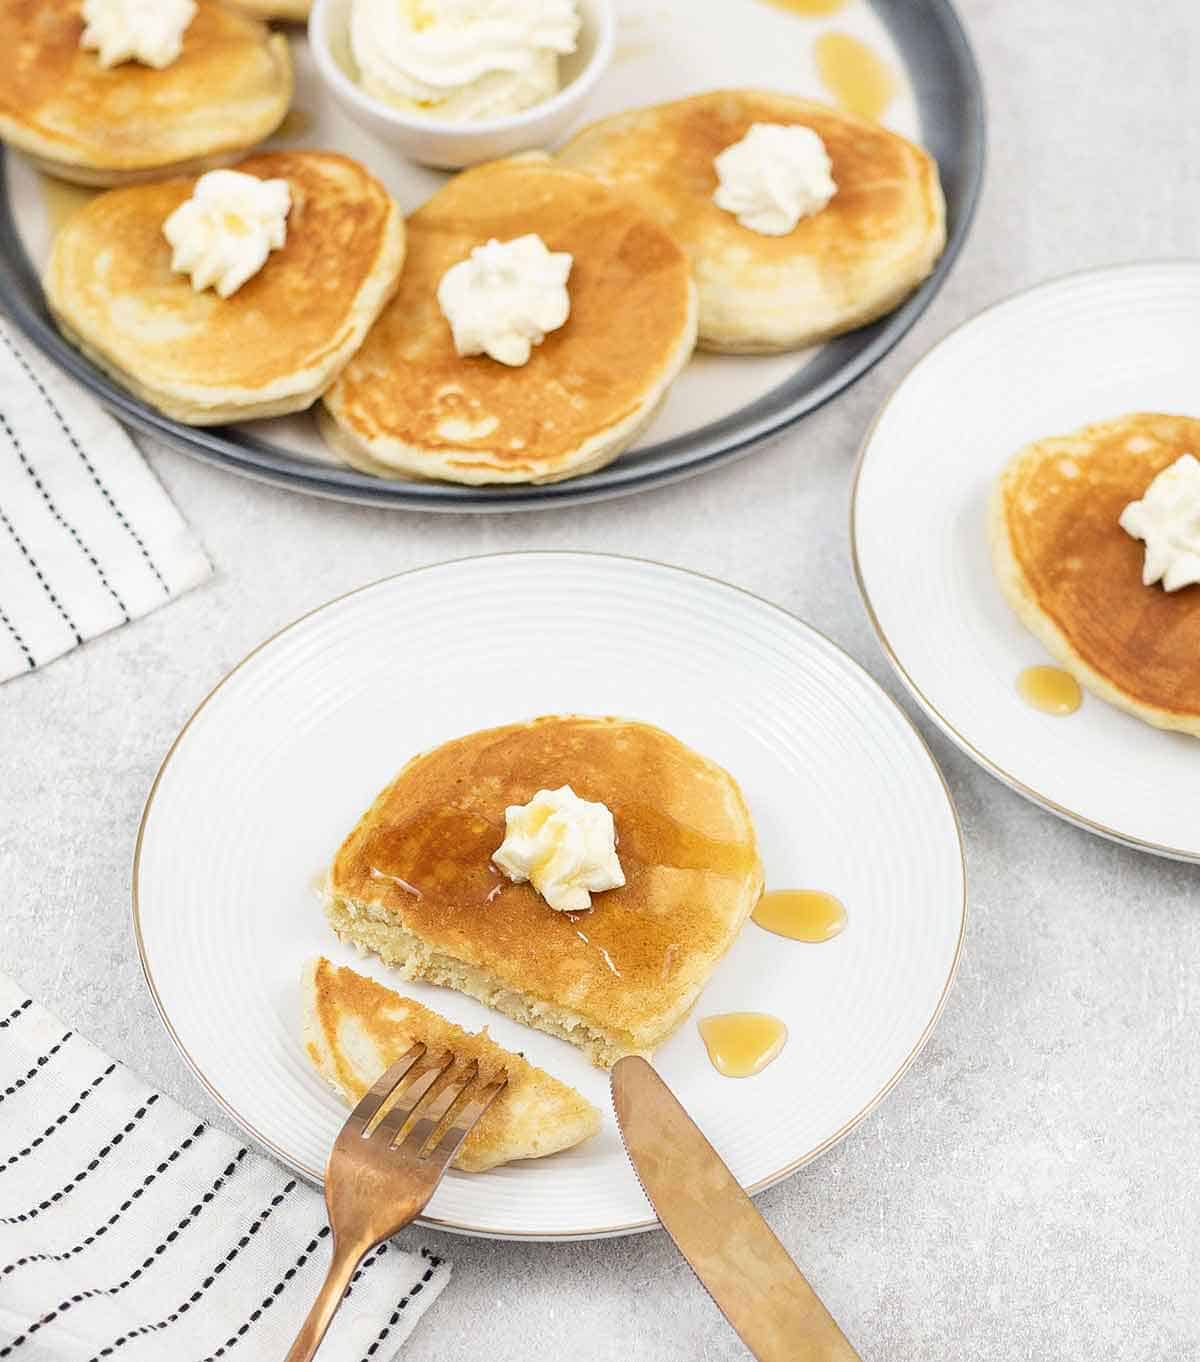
(381, 1172)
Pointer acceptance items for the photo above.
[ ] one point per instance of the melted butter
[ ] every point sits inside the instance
(741, 1044)
(655, 837)
(856, 77)
(802, 914)
(61, 201)
(1050, 689)
(809, 8)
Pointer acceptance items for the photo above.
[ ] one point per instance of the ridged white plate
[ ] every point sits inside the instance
(1088, 347)
(275, 767)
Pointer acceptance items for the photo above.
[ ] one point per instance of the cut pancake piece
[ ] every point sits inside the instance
(846, 265)
(273, 346)
(355, 1029)
(1074, 576)
(415, 883)
(228, 90)
(410, 405)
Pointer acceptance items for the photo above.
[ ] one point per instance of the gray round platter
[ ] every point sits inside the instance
(948, 95)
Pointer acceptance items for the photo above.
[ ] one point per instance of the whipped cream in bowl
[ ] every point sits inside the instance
(451, 83)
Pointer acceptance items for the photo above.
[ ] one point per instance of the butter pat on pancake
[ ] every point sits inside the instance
(355, 1029)
(228, 90)
(1074, 576)
(415, 883)
(273, 346)
(848, 264)
(410, 405)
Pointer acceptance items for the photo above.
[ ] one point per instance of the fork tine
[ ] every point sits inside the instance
(433, 1113)
(412, 1094)
(465, 1121)
(381, 1090)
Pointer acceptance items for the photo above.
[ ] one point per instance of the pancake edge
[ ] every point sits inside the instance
(99, 173)
(200, 405)
(391, 458)
(1016, 591)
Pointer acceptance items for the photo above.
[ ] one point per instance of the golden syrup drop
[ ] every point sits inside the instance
(295, 124)
(858, 79)
(741, 1044)
(802, 914)
(1050, 689)
(61, 201)
(812, 9)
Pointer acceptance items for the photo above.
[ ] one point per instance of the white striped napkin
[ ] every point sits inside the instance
(88, 538)
(131, 1231)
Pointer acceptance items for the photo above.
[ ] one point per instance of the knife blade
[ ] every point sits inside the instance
(714, 1224)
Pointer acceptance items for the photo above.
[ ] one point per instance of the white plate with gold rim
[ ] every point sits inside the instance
(275, 767)
(1087, 347)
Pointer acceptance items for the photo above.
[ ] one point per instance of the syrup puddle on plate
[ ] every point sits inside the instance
(801, 914)
(741, 1044)
(1050, 689)
(810, 9)
(859, 81)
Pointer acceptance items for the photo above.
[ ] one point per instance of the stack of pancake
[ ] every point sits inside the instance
(657, 267)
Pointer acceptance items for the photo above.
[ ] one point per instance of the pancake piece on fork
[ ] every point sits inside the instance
(271, 347)
(1073, 575)
(848, 264)
(228, 90)
(415, 883)
(355, 1029)
(409, 405)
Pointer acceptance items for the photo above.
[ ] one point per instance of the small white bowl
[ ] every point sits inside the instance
(450, 146)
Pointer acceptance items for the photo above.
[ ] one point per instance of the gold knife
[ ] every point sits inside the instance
(730, 1247)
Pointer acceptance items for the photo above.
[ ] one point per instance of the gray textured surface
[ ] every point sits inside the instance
(1030, 1189)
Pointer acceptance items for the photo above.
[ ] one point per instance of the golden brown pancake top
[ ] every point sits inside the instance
(225, 82)
(1062, 502)
(664, 157)
(111, 271)
(629, 291)
(684, 839)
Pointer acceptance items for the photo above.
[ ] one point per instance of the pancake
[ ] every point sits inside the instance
(354, 1029)
(274, 345)
(409, 405)
(228, 90)
(414, 882)
(1074, 576)
(852, 262)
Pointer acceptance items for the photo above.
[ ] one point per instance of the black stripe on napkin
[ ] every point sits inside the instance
(84, 1172)
(101, 1230)
(37, 572)
(220, 1267)
(62, 522)
(87, 463)
(15, 1013)
(192, 1215)
(18, 1083)
(434, 1264)
(18, 640)
(58, 1122)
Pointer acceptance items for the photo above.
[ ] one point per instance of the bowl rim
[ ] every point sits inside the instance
(334, 74)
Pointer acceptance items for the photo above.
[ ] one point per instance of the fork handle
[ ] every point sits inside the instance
(346, 1258)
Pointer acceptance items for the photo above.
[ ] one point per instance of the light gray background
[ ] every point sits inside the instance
(1030, 1190)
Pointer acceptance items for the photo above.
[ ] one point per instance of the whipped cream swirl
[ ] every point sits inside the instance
(505, 296)
(462, 60)
(223, 234)
(566, 847)
(777, 174)
(146, 31)
(1167, 520)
